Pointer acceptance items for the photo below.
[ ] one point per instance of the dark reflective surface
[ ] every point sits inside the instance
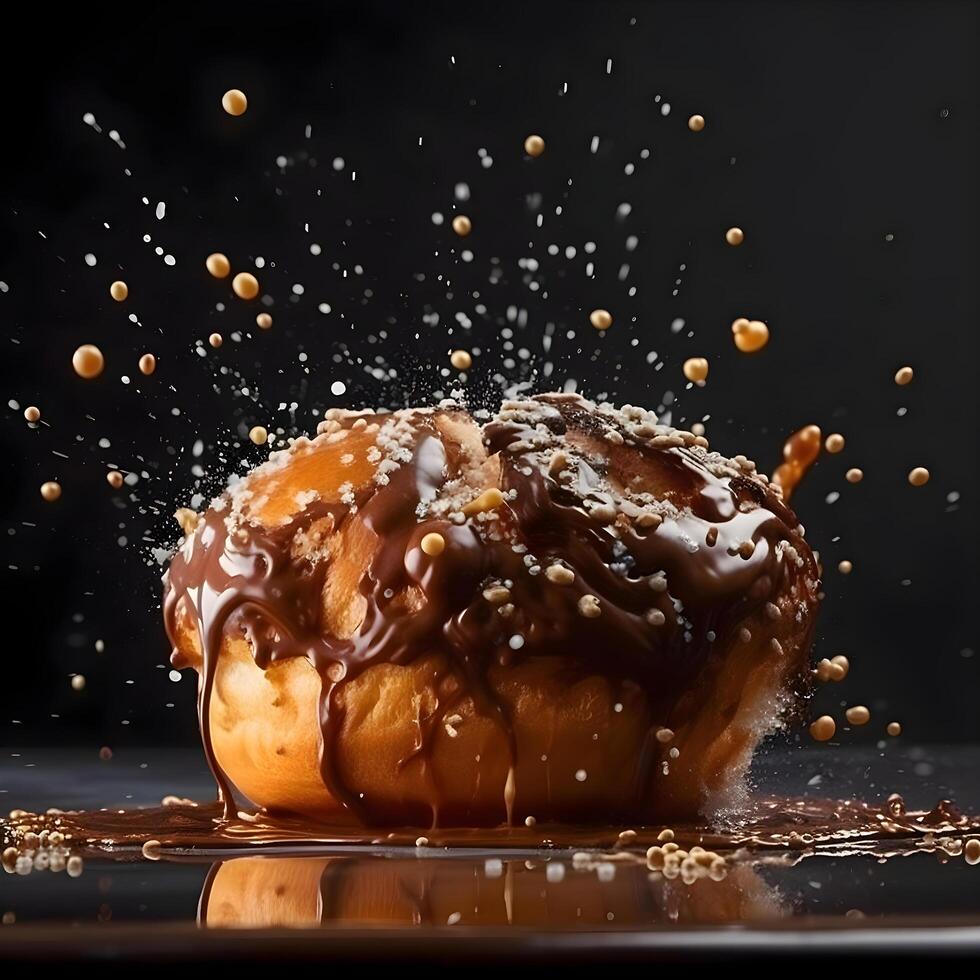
(368, 902)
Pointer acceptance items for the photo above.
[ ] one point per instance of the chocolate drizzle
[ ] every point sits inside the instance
(678, 546)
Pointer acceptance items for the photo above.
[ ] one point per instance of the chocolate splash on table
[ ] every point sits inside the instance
(676, 563)
(184, 830)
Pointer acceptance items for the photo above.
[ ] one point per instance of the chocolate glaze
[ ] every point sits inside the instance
(629, 500)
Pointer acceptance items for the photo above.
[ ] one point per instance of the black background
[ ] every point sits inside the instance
(841, 137)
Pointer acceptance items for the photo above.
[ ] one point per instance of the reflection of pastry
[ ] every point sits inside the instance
(258, 892)
(565, 612)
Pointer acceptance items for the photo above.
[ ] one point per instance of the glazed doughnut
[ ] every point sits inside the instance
(564, 611)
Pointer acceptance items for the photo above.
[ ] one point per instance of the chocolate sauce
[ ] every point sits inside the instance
(624, 503)
(770, 825)
(800, 452)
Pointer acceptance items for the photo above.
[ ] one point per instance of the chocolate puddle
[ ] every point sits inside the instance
(791, 825)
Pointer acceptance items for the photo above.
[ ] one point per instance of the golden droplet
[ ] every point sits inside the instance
(695, 124)
(462, 225)
(119, 290)
(234, 102)
(601, 319)
(823, 729)
(749, 335)
(88, 361)
(218, 265)
(433, 544)
(857, 715)
(245, 285)
(461, 360)
(534, 146)
(696, 369)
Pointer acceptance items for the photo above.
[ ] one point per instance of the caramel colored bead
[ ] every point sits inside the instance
(601, 319)
(234, 102)
(433, 544)
(823, 729)
(696, 369)
(88, 361)
(245, 285)
(749, 335)
(534, 146)
(218, 265)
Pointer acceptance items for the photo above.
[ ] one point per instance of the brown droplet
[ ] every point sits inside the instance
(234, 102)
(696, 369)
(823, 728)
(245, 285)
(834, 443)
(904, 375)
(114, 478)
(894, 729)
(858, 715)
(462, 225)
(51, 491)
(264, 321)
(854, 475)
(601, 319)
(534, 146)
(78, 682)
(749, 335)
(216, 340)
(695, 124)
(88, 361)
(845, 567)
(119, 290)
(919, 476)
(32, 414)
(734, 236)
(461, 360)
(218, 265)
(105, 753)
(148, 364)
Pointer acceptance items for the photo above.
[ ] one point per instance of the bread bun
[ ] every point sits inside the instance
(404, 892)
(565, 612)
